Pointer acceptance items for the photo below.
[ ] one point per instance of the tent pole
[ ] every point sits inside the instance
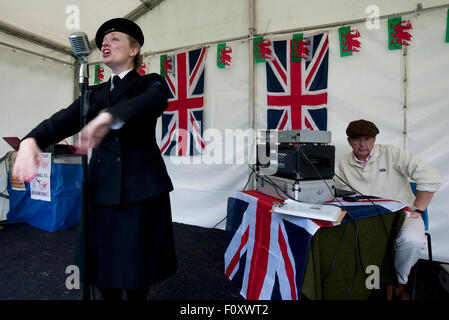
(76, 92)
(404, 96)
(251, 79)
(43, 56)
(34, 38)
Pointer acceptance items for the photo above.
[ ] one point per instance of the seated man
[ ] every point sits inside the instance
(384, 171)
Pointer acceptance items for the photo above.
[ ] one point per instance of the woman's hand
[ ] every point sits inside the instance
(94, 132)
(27, 160)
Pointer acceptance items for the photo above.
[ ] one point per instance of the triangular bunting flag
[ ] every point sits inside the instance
(398, 34)
(348, 42)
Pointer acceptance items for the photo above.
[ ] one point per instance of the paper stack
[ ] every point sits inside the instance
(310, 210)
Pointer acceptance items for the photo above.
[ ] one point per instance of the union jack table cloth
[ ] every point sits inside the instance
(266, 252)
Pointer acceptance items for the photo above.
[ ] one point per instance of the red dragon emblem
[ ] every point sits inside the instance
(224, 56)
(400, 32)
(264, 49)
(142, 69)
(99, 76)
(167, 65)
(349, 41)
(300, 49)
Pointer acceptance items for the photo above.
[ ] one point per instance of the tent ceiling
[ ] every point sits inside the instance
(45, 21)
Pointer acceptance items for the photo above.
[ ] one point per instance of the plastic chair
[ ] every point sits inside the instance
(425, 217)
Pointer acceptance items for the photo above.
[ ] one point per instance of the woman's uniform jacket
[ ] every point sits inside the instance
(125, 169)
(127, 166)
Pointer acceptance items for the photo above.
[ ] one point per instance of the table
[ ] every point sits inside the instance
(274, 256)
(64, 209)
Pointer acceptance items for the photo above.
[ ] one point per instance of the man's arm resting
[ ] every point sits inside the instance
(423, 199)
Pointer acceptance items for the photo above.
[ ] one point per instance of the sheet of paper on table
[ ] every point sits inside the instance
(310, 210)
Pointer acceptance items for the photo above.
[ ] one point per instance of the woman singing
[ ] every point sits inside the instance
(131, 236)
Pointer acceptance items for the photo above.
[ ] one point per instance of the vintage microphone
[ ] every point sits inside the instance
(82, 49)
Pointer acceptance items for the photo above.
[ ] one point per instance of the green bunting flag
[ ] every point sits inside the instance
(447, 27)
(297, 47)
(342, 33)
(262, 49)
(224, 56)
(259, 57)
(398, 33)
(99, 76)
(163, 65)
(348, 42)
(166, 65)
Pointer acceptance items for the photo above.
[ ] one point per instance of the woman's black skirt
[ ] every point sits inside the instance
(132, 246)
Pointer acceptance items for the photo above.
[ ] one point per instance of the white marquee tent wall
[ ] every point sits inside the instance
(367, 85)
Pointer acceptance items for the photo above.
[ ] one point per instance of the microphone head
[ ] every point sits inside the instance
(80, 44)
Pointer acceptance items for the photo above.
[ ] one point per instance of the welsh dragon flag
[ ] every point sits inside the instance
(99, 74)
(399, 33)
(348, 41)
(224, 57)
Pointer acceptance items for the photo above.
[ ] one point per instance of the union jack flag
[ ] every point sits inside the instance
(182, 121)
(266, 253)
(297, 91)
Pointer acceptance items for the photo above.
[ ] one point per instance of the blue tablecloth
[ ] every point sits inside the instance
(64, 209)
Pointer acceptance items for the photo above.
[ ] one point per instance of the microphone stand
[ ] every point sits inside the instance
(85, 224)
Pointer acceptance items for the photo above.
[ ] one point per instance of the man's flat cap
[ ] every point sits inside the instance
(361, 128)
(122, 25)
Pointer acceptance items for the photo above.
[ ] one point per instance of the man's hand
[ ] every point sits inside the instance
(94, 132)
(422, 201)
(414, 214)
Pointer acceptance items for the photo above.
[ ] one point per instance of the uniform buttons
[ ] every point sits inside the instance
(118, 159)
(117, 139)
(100, 161)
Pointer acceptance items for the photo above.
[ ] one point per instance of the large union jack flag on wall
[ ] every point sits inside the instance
(297, 91)
(182, 121)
